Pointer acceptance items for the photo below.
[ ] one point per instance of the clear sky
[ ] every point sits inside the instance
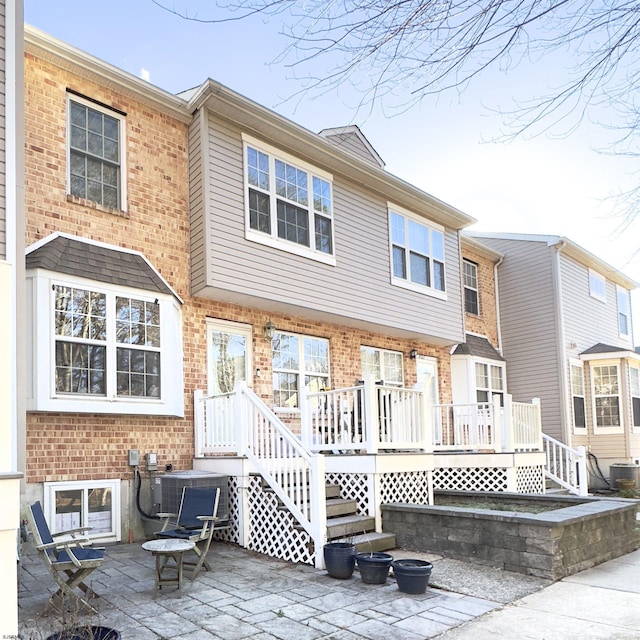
(556, 185)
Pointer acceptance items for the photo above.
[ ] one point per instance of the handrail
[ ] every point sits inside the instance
(566, 466)
(294, 473)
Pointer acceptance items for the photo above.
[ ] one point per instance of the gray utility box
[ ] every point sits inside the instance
(168, 491)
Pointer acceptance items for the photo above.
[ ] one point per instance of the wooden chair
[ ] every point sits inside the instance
(194, 521)
(69, 561)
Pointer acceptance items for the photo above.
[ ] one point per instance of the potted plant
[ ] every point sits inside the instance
(339, 559)
(87, 632)
(412, 574)
(374, 566)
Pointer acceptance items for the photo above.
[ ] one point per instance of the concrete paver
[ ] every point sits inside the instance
(248, 596)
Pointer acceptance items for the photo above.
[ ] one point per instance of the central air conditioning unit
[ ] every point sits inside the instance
(168, 491)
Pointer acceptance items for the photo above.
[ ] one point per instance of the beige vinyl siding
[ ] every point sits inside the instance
(351, 143)
(530, 340)
(356, 290)
(3, 201)
(588, 320)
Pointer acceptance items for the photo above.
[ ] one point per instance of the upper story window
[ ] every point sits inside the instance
(417, 253)
(606, 397)
(624, 312)
(577, 395)
(382, 365)
(489, 382)
(289, 204)
(471, 297)
(298, 360)
(95, 153)
(597, 286)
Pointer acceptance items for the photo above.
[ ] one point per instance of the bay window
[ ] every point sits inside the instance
(606, 397)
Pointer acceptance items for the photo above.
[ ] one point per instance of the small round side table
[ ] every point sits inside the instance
(163, 551)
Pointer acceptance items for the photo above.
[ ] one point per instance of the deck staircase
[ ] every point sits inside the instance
(344, 524)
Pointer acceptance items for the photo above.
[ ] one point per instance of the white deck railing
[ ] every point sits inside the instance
(242, 421)
(372, 417)
(566, 466)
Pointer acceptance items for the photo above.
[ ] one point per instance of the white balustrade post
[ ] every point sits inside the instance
(507, 422)
(426, 420)
(371, 415)
(241, 418)
(538, 424)
(306, 424)
(198, 422)
(318, 505)
(583, 484)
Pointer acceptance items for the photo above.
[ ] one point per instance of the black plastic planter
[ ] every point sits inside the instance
(412, 575)
(340, 559)
(86, 633)
(374, 566)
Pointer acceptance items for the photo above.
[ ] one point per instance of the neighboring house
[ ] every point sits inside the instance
(567, 338)
(201, 242)
(11, 304)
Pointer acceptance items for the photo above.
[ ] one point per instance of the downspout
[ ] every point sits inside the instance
(562, 356)
(497, 297)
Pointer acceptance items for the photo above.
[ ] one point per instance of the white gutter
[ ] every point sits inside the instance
(497, 297)
(562, 355)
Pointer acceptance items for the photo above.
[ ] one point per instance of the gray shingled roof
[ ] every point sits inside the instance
(477, 347)
(603, 348)
(86, 260)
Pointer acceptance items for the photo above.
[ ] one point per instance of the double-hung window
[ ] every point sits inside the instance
(597, 286)
(489, 382)
(417, 253)
(298, 360)
(98, 329)
(289, 203)
(95, 146)
(577, 395)
(382, 365)
(606, 397)
(634, 389)
(471, 298)
(624, 324)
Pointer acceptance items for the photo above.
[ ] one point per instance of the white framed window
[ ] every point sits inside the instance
(634, 391)
(95, 153)
(289, 204)
(624, 312)
(298, 360)
(84, 503)
(383, 365)
(489, 382)
(576, 374)
(417, 253)
(471, 295)
(605, 382)
(597, 286)
(100, 348)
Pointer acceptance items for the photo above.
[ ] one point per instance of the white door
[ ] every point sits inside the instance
(229, 355)
(427, 376)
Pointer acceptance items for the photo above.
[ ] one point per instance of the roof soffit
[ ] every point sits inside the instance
(80, 63)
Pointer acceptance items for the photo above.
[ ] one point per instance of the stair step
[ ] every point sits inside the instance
(371, 541)
(341, 507)
(349, 526)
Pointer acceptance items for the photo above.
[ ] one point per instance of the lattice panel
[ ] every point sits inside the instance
(483, 479)
(411, 487)
(272, 531)
(232, 533)
(353, 486)
(530, 480)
